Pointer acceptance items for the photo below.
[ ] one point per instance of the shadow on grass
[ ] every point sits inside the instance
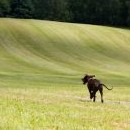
(106, 101)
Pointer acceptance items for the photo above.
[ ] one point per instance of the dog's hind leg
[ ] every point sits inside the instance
(94, 95)
(101, 92)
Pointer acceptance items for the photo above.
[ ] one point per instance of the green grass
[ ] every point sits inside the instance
(66, 108)
(41, 66)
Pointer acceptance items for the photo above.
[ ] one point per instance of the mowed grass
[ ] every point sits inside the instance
(41, 66)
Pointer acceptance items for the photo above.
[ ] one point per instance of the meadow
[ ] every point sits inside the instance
(41, 66)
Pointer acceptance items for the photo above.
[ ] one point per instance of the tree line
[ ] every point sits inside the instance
(102, 12)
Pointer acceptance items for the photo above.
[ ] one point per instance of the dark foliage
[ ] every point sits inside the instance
(103, 12)
(4, 8)
(22, 8)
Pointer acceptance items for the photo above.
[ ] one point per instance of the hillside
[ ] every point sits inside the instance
(37, 52)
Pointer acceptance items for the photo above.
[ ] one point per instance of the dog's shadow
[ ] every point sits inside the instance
(84, 100)
(127, 103)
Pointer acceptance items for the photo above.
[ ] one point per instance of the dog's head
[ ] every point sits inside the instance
(86, 78)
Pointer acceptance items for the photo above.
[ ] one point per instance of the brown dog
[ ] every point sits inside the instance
(93, 86)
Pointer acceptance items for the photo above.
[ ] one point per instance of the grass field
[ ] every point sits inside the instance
(41, 66)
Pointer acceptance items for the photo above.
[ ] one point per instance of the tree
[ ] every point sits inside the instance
(41, 9)
(77, 9)
(59, 10)
(103, 12)
(52, 10)
(128, 14)
(123, 12)
(4, 8)
(22, 8)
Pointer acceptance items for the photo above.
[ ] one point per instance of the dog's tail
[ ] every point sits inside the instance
(107, 87)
